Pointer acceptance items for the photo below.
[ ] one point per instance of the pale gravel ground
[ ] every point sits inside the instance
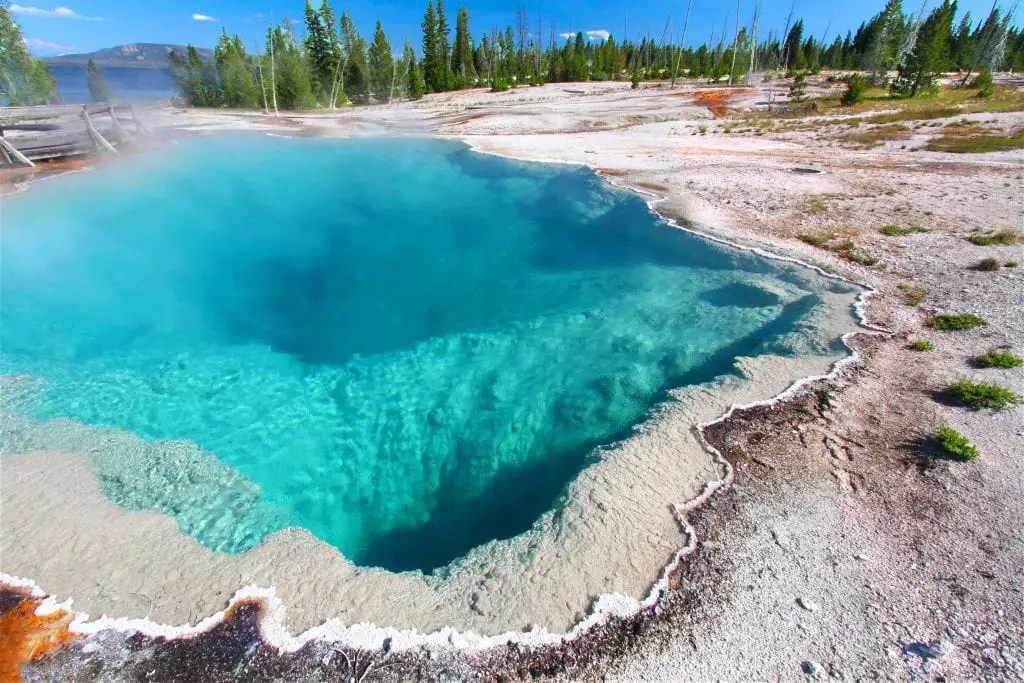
(942, 550)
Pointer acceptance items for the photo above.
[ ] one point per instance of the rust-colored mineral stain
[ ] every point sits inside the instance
(25, 636)
(716, 100)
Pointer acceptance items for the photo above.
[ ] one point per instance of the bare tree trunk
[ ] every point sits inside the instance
(824, 37)
(263, 85)
(735, 44)
(784, 57)
(334, 79)
(753, 45)
(394, 78)
(682, 42)
(522, 30)
(273, 73)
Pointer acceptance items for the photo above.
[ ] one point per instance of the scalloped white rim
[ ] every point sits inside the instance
(369, 636)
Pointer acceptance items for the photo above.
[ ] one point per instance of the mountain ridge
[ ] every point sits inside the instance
(136, 55)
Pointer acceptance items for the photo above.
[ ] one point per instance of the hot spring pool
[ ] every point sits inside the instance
(403, 346)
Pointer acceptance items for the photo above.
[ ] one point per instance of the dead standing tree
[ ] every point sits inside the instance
(682, 43)
(735, 45)
(753, 44)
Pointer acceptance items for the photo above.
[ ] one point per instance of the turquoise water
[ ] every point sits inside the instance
(403, 346)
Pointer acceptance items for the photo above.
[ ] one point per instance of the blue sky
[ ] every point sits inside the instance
(85, 25)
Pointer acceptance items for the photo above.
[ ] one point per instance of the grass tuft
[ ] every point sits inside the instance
(988, 265)
(915, 115)
(980, 395)
(955, 444)
(847, 249)
(858, 257)
(814, 240)
(872, 137)
(921, 345)
(912, 296)
(1003, 238)
(976, 144)
(816, 206)
(996, 358)
(956, 322)
(1010, 264)
(898, 231)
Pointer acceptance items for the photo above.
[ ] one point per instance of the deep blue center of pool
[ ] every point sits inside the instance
(409, 347)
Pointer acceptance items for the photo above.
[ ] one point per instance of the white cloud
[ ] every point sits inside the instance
(56, 13)
(46, 46)
(566, 36)
(204, 17)
(598, 34)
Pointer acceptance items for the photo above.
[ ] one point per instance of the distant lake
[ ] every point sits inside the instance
(127, 83)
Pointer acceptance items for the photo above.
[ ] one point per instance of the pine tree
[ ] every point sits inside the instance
(985, 85)
(960, 48)
(482, 59)
(382, 66)
(855, 87)
(317, 52)
(444, 48)
(987, 43)
(793, 59)
(335, 60)
(462, 57)
(930, 56)
(196, 80)
(237, 86)
(888, 30)
(415, 87)
(356, 72)
(24, 80)
(99, 89)
(798, 90)
(433, 64)
(294, 90)
(508, 55)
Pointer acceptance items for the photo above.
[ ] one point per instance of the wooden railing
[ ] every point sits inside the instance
(121, 117)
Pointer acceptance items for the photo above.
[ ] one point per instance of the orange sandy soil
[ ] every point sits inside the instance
(24, 636)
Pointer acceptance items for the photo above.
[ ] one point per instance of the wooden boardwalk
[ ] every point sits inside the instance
(43, 133)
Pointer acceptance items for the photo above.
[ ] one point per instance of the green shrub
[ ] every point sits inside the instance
(977, 144)
(988, 265)
(814, 240)
(956, 322)
(912, 296)
(983, 82)
(995, 358)
(798, 90)
(921, 345)
(499, 84)
(955, 444)
(861, 258)
(1011, 264)
(980, 395)
(898, 231)
(1003, 237)
(855, 87)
